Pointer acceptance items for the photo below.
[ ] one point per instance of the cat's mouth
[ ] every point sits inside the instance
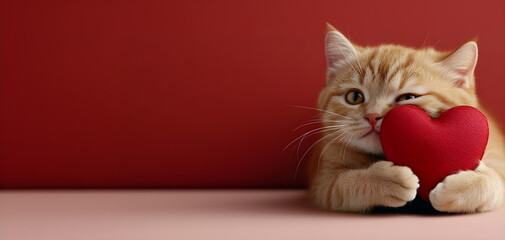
(371, 132)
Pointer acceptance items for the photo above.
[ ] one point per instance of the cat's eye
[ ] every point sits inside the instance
(354, 97)
(405, 97)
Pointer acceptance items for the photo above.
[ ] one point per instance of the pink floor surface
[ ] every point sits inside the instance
(216, 214)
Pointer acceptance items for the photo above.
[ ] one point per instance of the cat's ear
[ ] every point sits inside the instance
(461, 64)
(338, 48)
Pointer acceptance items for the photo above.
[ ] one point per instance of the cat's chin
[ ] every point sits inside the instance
(370, 144)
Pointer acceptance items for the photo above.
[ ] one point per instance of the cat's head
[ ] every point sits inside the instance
(364, 83)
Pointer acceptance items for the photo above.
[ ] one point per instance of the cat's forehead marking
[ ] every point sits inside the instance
(397, 79)
(396, 69)
(355, 76)
(383, 64)
(367, 78)
(375, 62)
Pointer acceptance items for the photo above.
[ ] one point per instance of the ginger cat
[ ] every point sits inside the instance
(347, 169)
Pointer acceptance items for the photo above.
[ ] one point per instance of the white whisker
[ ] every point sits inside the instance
(308, 150)
(317, 109)
(309, 133)
(336, 127)
(326, 147)
(321, 121)
(351, 139)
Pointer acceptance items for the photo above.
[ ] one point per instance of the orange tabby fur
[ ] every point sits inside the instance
(348, 172)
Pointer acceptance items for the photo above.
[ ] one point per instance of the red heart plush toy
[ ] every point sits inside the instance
(434, 149)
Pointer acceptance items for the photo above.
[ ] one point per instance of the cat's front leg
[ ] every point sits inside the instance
(469, 191)
(382, 184)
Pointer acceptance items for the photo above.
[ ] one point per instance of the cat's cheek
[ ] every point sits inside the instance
(369, 144)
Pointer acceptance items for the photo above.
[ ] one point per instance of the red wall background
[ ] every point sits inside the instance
(193, 93)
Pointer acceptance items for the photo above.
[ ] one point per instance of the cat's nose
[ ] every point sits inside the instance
(373, 118)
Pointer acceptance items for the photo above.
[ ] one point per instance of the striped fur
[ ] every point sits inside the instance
(347, 169)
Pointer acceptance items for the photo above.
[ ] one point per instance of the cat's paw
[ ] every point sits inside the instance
(469, 191)
(395, 185)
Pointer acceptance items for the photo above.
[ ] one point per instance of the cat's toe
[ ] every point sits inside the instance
(400, 198)
(402, 186)
(466, 192)
(442, 199)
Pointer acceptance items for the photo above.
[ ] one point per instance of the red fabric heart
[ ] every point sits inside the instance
(434, 149)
